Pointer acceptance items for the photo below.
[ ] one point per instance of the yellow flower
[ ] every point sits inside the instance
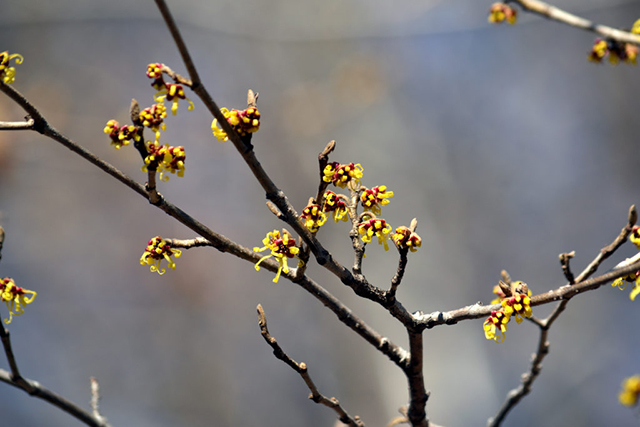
(404, 237)
(153, 118)
(173, 92)
(121, 135)
(621, 283)
(14, 297)
(156, 251)
(373, 199)
(630, 391)
(243, 122)
(377, 227)
(333, 203)
(343, 175)
(598, 51)
(501, 12)
(518, 304)
(282, 247)
(165, 158)
(634, 237)
(497, 322)
(7, 73)
(314, 217)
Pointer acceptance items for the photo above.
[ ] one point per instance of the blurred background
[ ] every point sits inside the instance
(505, 143)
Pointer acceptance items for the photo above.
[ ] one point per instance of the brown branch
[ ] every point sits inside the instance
(418, 395)
(301, 368)
(551, 12)
(189, 243)
(28, 125)
(566, 268)
(397, 278)
(33, 388)
(1, 240)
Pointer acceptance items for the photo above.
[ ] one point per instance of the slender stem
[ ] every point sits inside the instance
(28, 125)
(34, 388)
(301, 368)
(555, 14)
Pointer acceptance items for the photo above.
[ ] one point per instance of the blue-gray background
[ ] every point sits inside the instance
(505, 143)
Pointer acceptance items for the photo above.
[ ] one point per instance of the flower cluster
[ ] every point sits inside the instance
(15, 297)
(405, 238)
(282, 247)
(7, 73)
(157, 250)
(375, 227)
(243, 122)
(343, 175)
(170, 91)
(515, 301)
(313, 217)
(121, 135)
(621, 283)
(164, 158)
(501, 12)
(372, 199)
(617, 52)
(630, 391)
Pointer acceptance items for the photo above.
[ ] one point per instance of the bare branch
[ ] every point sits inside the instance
(188, 243)
(301, 368)
(95, 399)
(28, 125)
(34, 388)
(418, 395)
(551, 12)
(566, 268)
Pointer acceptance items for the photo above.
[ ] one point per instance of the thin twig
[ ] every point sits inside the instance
(551, 12)
(301, 368)
(566, 268)
(1, 240)
(28, 125)
(188, 243)
(95, 399)
(33, 388)
(397, 278)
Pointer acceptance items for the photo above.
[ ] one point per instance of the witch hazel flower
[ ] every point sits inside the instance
(405, 238)
(495, 327)
(8, 73)
(372, 199)
(15, 297)
(334, 204)
(621, 283)
(342, 175)
(242, 121)
(153, 118)
(313, 217)
(164, 158)
(375, 227)
(157, 250)
(121, 135)
(282, 246)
